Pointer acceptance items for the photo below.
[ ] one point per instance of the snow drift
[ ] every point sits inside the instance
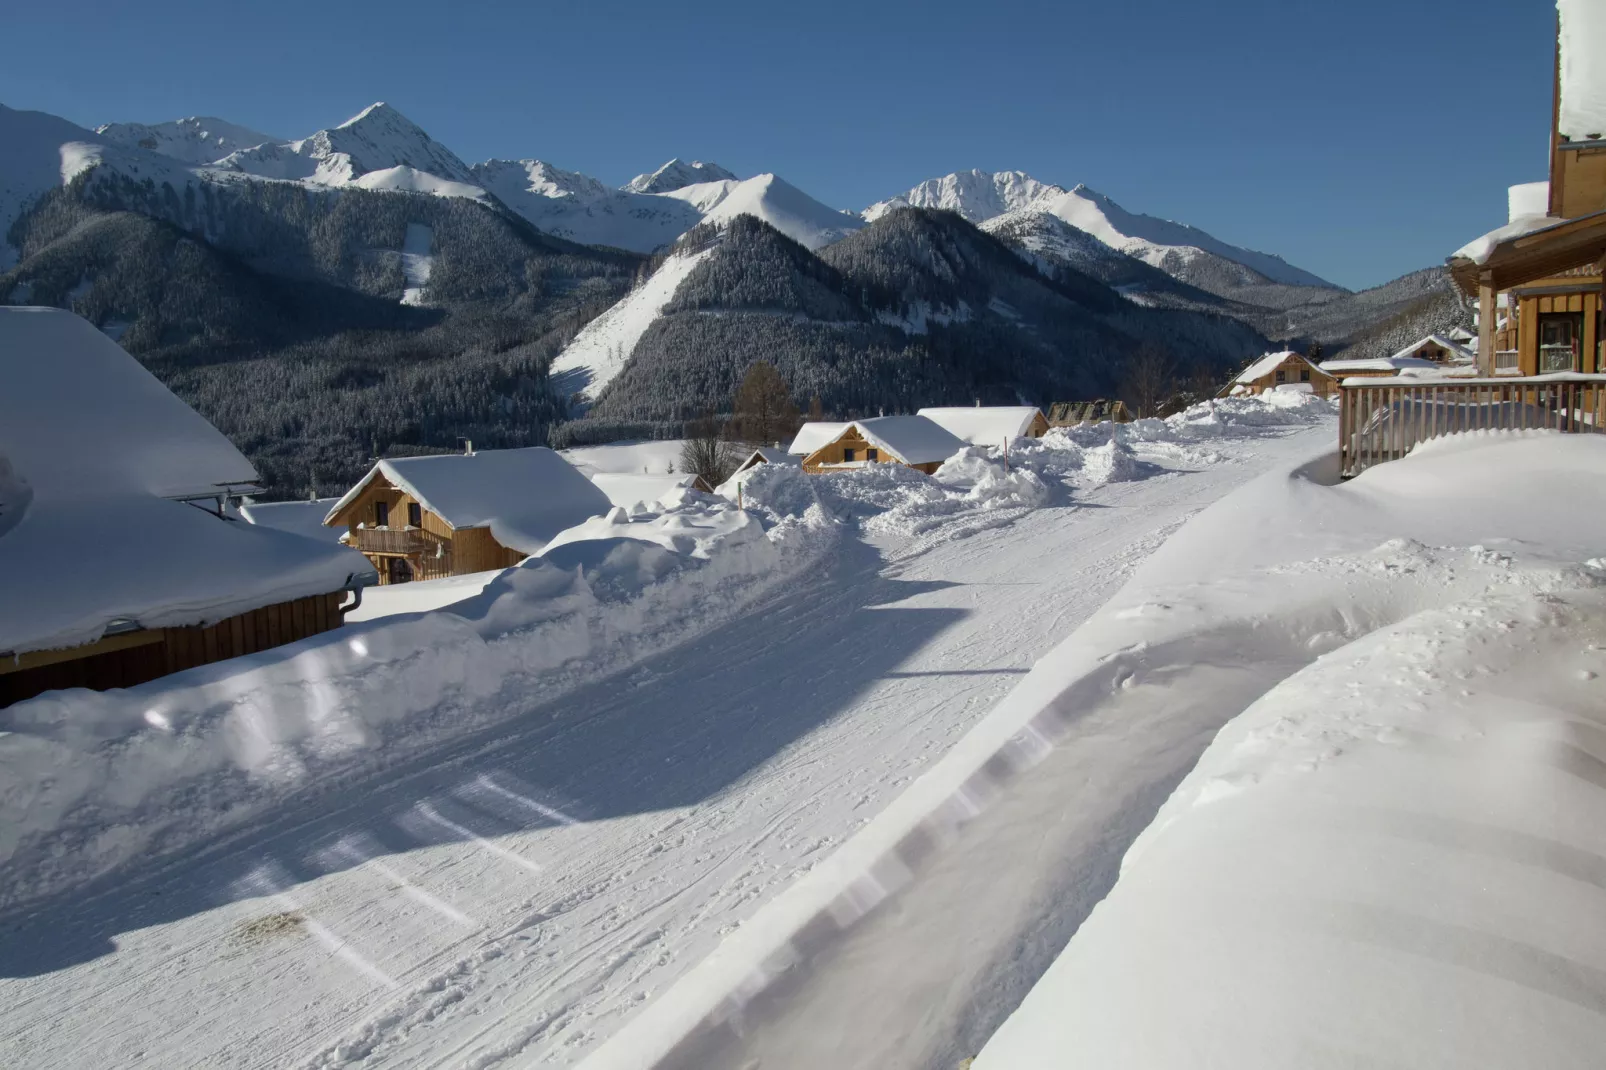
(92, 780)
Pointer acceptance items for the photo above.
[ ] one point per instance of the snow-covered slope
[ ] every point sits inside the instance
(676, 174)
(976, 195)
(1183, 251)
(775, 201)
(31, 162)
(600, 351)
(378, 138)
(578, 207)
(200, 139)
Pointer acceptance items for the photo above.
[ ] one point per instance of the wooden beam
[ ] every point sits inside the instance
(1486, 318)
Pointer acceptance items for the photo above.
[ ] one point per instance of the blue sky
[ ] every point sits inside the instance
(1359, 139)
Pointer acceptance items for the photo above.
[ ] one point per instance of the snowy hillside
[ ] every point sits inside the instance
(676, 174)
(600, 351)
(378, 138)
(200, 139)
(1182, 251)
(30, 163)
(579, 208)
(775, 201)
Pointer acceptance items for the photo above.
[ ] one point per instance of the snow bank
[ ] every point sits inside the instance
(1385, 847)
(1208, 619)
(1581, 109)
(90, 780)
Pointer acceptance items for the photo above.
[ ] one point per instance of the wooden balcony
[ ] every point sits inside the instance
(1384, 419)
(407, 542)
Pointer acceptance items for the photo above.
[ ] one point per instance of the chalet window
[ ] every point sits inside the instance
(415, 514)
(1559, 339)
(1282, 376)
(872, 454)
(1304, 375)
(847, 454)
(382, 514)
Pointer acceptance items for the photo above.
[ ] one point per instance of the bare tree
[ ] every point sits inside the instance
(763, 412)
(816, 409)
(707, 452)
(1148, 378)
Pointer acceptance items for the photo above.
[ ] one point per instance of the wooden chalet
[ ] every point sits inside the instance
(764, 455)
(1076, 413)
(1378, 367)
(420, 518)
(1279, 371)
(1437, 348)
(989, 425)
(913, 441)
(1538, 281)
(119, 562)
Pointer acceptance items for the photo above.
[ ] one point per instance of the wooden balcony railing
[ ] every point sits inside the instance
(1384, 419)
(409, 541)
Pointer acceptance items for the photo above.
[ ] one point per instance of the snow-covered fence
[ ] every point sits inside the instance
(1384, 419)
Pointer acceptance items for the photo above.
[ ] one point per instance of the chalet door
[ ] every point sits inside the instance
(1560, 334)
(399, 571)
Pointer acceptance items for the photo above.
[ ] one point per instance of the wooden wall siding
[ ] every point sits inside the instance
(1581, 181)
(475, 550)
(134, 658)
(1530, 306)
(1038, 427)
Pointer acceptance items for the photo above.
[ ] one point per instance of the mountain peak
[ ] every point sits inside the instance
(378, 138)
(975, 194)
(198, 139)
(678, 174)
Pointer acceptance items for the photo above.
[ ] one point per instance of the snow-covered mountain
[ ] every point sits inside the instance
(579, 208)
(775, 201)
(379, 139)
(30, 163)
(976, 195)
(200, 139)
(676, 174)
(1182, 251)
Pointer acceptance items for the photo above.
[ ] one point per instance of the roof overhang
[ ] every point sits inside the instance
(1538, 254)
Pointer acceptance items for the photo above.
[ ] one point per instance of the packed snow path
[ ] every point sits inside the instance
(517, 896)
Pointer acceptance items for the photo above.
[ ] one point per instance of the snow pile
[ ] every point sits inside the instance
(1113, 462)
(94, 779)
(1581, 109)
(641, 493)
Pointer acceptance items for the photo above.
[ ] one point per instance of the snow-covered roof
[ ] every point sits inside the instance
(910, 439)
(627, 490)
(1479, 249)
(77, 410)
(986, 425)
(166, 564)
(1581, 110)
(1266, 365)
(812, 436)
(1375, 364)
(298, 518)
(525, 496)
(1442, 341)
(1460, 335)
(91, 445)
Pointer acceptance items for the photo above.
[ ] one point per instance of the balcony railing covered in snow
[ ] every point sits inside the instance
(1383, 419)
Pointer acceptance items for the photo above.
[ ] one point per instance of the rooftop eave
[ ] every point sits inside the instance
(1535, 255)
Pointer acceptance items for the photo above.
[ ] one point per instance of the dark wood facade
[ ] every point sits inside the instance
(135, 657)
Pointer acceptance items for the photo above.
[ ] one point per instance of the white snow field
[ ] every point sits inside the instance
(492, 836)
(1388, 856)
